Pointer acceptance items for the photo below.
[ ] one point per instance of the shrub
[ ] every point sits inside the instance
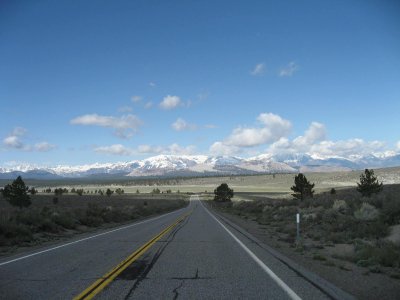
(340, 206)
(391, 210)
(385, 253)
(366, 212)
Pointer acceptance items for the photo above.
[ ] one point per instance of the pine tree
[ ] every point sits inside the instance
(302, 187)
(223, 193)
(369, 184)
(17, 193)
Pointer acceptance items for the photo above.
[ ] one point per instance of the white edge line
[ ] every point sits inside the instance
(275, 277)
(87, 238)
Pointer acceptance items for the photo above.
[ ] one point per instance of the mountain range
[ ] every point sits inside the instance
(202, 165)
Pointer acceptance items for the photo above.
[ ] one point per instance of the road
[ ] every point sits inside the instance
(194, 255)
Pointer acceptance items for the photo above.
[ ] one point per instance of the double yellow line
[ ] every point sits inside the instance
(105, 280)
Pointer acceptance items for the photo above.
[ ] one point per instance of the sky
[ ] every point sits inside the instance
(105, 81)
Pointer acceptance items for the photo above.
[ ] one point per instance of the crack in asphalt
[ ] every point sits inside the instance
(175, 290)
(146, 270)
(196, 277)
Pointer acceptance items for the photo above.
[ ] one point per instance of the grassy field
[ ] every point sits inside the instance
(277, 185)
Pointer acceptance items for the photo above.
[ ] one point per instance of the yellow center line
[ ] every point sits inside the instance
(105, 280)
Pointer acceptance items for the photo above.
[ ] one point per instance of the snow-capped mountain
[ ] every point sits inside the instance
(196, 165)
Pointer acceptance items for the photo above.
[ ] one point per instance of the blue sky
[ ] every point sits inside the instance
(104, 81)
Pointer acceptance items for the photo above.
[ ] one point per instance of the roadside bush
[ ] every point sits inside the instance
(384, 253)
(65, 220)
(366, 212)
(391, 210)
(12, 233)
(340, 206)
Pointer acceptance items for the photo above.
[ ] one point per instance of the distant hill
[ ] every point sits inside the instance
(199, 165)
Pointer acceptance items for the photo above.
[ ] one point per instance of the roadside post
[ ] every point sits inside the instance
(298, 227)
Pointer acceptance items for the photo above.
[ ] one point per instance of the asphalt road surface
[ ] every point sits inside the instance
(186, 254)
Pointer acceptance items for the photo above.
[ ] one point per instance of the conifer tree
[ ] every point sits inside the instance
(302, 187)
(369, 184)
(16, 193)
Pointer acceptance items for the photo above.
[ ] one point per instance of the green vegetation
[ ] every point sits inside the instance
(302, 187)
(16, 193)
(328, 219)
(369, 184)
(51, 217)
(223, 193)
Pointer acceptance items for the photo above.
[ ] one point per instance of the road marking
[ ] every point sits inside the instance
(85, 239)
(275, 277)
(105, 280)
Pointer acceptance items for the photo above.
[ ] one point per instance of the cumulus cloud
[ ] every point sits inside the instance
(43, 147)
(258, 69)
(288, 70)
(210, 126)
(121, 150)
(125, 109)
(148, 105)
(116, 149)
(220, 148)
(180, 125)
(315, 133)
(170, 102)
(18, 131)
(125, 126)
(272, 128)
(15, 140)
(314, 142)
(174, 149)
(136, 99)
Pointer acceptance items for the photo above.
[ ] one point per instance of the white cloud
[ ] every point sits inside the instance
(258, 70)
(180, 125)
(171, 149)
(116, 149)
(148, 105)
(125, 109)
(125, 126)
(315, 133)
(19, 131)
(13, 141)
(170, 102)
(43, 147)
(288, 70)
(314, 143)
(210, 126)
(273, 128)
(136, 99)
(152, 84)
(220, 148)
(121, 150)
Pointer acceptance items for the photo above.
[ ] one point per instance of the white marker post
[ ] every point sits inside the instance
(298, 227)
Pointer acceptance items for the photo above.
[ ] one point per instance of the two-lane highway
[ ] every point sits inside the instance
(188, 254)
